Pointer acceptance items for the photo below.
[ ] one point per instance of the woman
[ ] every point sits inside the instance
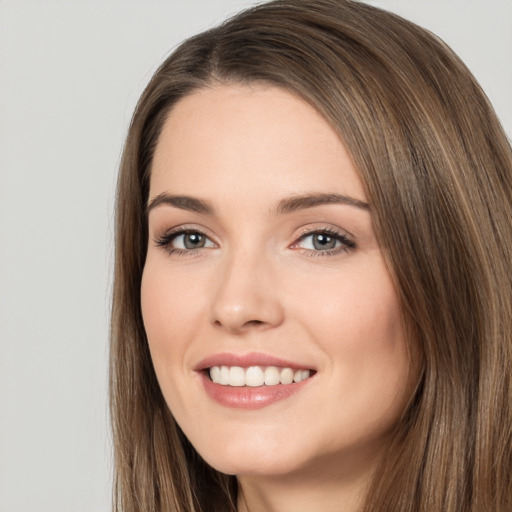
(312, 301)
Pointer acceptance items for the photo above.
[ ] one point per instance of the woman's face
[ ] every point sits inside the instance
(263, 266)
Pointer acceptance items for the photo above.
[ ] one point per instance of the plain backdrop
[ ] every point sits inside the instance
(70, 74)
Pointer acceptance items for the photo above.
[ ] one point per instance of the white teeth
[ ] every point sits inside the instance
(224, 375)
(286, 376)
(236, 376)
(255, 376)
(272, 376)
(301, 375)
(215, 373)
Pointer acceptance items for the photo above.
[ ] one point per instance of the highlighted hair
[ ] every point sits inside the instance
(437, 167)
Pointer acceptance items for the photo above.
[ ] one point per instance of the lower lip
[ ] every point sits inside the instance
(246, 397)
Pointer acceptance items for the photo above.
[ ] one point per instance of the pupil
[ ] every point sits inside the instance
(323, 242)
(193, 240)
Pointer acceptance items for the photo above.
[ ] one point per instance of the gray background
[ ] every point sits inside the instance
(70, 73)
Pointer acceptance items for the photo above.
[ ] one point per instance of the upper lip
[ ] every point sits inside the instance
(246, 360)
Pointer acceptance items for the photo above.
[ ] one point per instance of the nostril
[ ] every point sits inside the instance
(253, 323)
(250, 324)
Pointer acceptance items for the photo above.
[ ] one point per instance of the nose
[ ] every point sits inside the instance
(246, 296)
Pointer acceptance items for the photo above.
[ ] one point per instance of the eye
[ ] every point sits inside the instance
(192, 240)
(319, 242)
(184, 241)
(324, 242)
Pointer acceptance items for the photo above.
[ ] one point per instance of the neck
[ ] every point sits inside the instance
(316, 491)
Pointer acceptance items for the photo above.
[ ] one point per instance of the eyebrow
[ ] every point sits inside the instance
(191, 204)
(305, 201)
(287, 205)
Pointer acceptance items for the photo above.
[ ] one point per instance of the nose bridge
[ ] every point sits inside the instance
(244, 297)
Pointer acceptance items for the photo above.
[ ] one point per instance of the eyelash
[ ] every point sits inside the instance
(347, 244)
(166, 239)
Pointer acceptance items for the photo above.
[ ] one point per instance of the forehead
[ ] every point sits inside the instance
(250, 138)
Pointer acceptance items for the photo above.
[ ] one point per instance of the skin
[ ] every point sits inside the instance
(260, 284)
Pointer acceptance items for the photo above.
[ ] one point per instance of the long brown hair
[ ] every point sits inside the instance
(437, 167)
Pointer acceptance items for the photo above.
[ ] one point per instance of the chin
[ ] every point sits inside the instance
(290, 452)
(251, 455)
(253, 465)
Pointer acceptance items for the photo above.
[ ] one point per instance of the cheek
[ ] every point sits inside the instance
(168, 311)
(358, 310)
(165, 314)
(357, 322)
(169, 303)
(155, 301)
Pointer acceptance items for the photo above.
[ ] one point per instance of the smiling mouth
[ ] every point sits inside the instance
(256, 376)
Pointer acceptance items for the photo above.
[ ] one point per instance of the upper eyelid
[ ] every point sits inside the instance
(167, 236)
(183, 228)
(299, 234)
(333, 234)
(166, 240)
(346, 238)
(323, 228)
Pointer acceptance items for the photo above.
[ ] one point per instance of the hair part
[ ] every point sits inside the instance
(437, 168)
